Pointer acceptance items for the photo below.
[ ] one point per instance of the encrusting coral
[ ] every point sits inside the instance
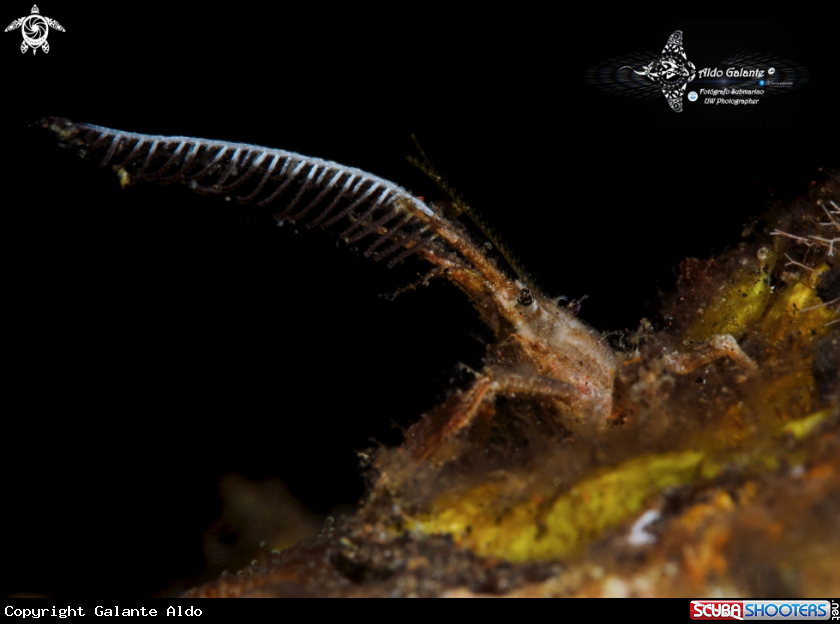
(723, 481)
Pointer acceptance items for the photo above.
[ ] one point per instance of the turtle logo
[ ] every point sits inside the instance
(672, 71)
(35, 28)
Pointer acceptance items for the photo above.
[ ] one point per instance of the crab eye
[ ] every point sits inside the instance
(526, 297)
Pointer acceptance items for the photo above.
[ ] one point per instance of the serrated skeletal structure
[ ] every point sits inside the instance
(542, 349)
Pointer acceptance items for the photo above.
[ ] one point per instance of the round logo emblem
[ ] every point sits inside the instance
(35, 30)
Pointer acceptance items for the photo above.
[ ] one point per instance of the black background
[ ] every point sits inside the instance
(156, 340)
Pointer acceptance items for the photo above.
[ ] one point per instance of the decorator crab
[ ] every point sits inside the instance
(560, 440)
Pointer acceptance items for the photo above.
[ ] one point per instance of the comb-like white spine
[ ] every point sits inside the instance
(195, 145)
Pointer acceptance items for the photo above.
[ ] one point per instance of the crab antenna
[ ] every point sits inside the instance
(425, 165)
